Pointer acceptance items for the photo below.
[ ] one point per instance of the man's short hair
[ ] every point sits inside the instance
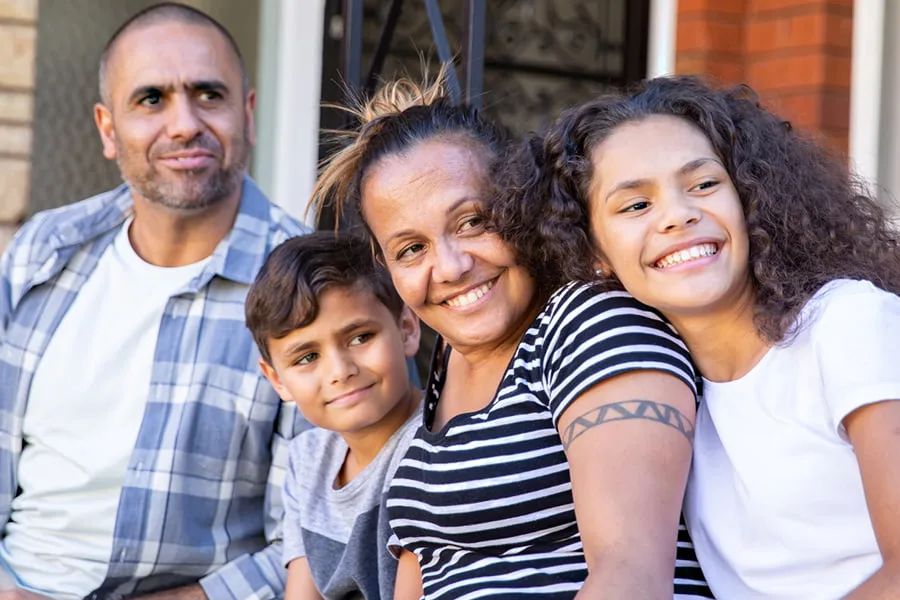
(160, 13)
(286, 293)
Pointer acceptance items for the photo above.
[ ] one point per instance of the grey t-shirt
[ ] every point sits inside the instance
(343, 533)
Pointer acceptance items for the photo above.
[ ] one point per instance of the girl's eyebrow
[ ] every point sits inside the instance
(688, 167)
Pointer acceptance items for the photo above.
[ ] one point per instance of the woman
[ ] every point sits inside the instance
(781, 275)
(557, 435)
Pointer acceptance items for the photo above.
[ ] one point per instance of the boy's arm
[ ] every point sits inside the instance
(409, 578)
(300, 583)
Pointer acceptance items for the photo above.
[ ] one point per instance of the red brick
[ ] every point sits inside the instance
(762, 6)
(802, 110)
(818, 28)
(735, 7)
(709, 35)
(798, 71)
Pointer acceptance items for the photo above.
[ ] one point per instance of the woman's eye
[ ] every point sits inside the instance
(410, 250)
(307, 358)
(362, 338)
(635, 206)
(471, 223)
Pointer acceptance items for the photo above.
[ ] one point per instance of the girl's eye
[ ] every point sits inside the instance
(706, 185)
(635, 206)
(307, 358)
(362, 338)
(410, 250)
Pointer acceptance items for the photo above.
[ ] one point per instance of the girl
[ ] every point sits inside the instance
(780, 273)
(557, 434)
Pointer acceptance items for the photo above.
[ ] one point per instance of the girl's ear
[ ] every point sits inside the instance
(602, 268)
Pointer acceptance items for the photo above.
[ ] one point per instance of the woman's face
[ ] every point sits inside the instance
(424, 208)
(668, 219)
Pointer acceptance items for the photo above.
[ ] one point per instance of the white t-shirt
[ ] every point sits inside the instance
(775, 501)
(84, 411)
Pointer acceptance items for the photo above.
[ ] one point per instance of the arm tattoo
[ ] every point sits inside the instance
(626, 410)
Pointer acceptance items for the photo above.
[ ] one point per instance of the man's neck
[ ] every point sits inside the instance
(168, 237)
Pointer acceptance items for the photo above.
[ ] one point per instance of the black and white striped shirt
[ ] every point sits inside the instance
(486, 502)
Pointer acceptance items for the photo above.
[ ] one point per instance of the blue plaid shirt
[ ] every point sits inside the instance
(201, 498)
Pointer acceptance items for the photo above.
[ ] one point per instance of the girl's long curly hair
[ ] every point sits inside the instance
(809, 220)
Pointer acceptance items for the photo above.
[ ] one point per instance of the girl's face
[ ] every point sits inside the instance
(668, 219)
(424, 208)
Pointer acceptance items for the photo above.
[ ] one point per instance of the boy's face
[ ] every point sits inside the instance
(347, 369)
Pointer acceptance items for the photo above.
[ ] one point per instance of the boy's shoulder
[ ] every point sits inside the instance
(316, 449)
(396, 447)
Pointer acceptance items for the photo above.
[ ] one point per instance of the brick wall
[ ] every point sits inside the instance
(18, 27)
(795, 53)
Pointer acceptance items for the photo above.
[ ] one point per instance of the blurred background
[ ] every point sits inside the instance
(826, 65)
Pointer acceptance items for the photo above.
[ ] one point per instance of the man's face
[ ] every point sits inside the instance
(176, 117)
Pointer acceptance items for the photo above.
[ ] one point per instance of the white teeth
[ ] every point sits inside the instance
(471, 296)
(681, 256)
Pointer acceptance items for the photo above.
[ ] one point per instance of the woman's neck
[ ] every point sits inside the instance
(726, 344)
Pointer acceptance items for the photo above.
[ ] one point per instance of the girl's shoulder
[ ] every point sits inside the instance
(849, 302)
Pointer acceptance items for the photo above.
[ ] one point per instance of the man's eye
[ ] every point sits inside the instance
(209, 96)
(362, 338)
(151, 99)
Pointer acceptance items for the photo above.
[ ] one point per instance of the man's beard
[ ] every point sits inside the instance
(187, 190)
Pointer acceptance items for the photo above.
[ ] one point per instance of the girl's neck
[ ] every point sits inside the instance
(725, 344)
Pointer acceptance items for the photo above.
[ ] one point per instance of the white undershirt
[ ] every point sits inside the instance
(775, 502)
(84, 411)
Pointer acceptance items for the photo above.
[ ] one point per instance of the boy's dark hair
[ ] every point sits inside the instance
(285, 295)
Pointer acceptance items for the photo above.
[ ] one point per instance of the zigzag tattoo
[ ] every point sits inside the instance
(626, 410)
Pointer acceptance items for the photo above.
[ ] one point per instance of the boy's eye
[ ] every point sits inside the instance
(360, 339)
(307, 358)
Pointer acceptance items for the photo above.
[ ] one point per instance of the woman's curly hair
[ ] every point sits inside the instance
(809, 220)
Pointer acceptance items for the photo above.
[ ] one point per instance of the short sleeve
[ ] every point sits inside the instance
(594, 335)
(292, 544)
(856, 332)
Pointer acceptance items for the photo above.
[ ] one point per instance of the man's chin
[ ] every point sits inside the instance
(200, 193)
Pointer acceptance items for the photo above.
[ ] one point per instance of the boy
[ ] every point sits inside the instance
(334, 338)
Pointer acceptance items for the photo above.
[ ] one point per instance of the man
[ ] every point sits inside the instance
(141, 451)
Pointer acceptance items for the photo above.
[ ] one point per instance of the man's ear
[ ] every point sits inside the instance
(249, 108)
(272, 375)
(104, 121)
(410, 331)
